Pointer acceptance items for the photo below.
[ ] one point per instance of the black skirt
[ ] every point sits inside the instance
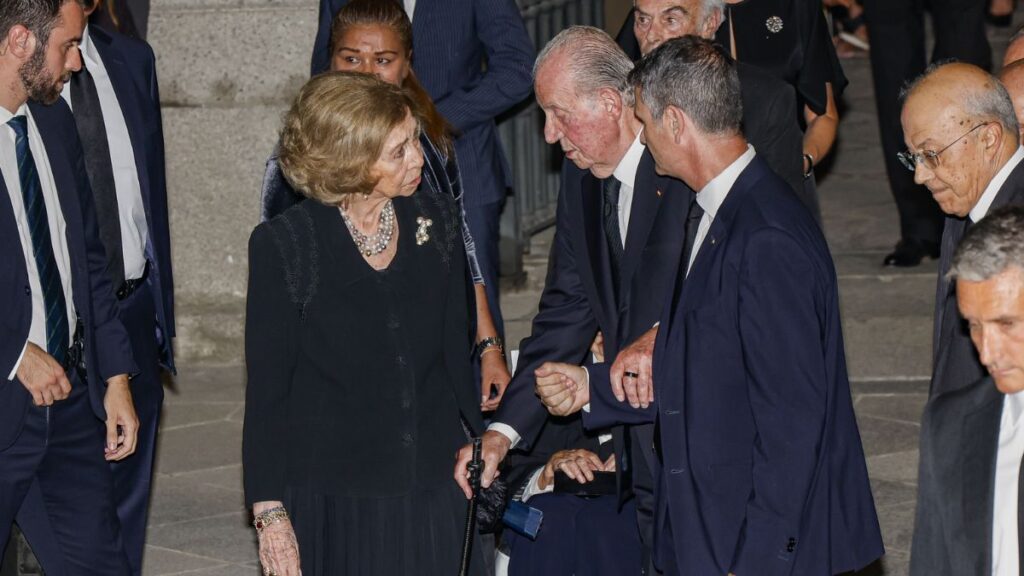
(418, 533)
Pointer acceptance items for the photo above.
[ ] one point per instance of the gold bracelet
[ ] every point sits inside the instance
(268, 517)
(491, 349)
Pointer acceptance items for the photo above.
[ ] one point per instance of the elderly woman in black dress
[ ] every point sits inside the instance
(358, 343)
(375, 37)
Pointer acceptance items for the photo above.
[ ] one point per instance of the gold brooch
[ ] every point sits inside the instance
(422, 230)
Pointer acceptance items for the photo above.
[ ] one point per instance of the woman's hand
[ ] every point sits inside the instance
(279, 550)
(493, 373)
(579, 465)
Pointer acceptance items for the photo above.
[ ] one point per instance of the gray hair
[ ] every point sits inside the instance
(993, 104)
(597, 61)
(698, 77)
(707, 7)
(990, 247)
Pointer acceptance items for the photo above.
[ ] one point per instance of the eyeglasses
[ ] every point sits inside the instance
(929, 158)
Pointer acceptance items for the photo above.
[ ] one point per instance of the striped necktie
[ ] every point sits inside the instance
(56, 314)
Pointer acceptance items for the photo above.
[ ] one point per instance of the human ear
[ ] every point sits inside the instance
(611, 101)
(21, 42)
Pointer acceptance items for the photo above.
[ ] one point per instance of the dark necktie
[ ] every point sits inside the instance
(610, 188)
(56, 311)
(85, 103)
(692, 224)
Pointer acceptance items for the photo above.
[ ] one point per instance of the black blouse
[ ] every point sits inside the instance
(791, 40)
(356, 377)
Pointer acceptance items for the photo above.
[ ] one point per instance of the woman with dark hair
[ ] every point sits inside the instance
(357, 348)
(375, 37)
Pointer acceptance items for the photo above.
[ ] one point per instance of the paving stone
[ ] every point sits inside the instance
(179, 414)
(227, 477)
(881, 436)
(161, 561)
(199, 447)
(182, 498)
(885, 348)
(897, 467)
(897, 522)
(902, 407)
(229, 538)
(888, 493)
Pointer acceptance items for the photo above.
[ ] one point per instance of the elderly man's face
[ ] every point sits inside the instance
(994, 310)
(963, 171)
(580, 123)
(659, 20)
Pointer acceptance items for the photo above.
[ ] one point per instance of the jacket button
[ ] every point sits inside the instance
(407, 439)
(400, 360)
(791, 545)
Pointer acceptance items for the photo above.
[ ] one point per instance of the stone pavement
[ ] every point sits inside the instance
(198, 524)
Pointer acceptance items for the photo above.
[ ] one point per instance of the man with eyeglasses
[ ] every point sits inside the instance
(963, 145)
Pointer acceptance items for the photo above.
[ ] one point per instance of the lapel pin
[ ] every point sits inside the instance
(774, 24)
(658, 192)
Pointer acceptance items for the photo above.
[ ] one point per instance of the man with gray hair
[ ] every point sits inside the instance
(762, 470)
(963, 145)
(972, 441)
(618, 235)
(769, 104)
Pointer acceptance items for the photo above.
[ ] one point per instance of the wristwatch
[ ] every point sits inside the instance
(489, 343)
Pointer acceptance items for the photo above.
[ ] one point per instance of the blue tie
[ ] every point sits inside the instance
(42, 245)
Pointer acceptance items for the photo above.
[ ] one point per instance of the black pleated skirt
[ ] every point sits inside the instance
(419, 533)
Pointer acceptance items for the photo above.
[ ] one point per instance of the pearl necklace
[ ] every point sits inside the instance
(377, 242)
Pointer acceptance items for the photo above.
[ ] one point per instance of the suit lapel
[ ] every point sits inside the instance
(593, 244)
(952, 232)
(980, 443)
(128, 99)
(646, 202)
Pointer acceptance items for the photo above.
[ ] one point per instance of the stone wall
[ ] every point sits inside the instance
(227, 70)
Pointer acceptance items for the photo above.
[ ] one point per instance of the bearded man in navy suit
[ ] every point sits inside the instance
(65, 405)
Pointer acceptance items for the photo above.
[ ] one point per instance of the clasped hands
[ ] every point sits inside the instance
(565, 389)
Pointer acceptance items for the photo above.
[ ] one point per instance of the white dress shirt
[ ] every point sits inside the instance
(55, 219)
(131, 210)
(985, 201)
(410, 7)
(711, 197)
(625, 173)
(1005, 557)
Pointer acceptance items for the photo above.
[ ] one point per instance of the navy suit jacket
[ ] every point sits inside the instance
(132, 69)
(108, 352)
(763, 469)
(578, 299)
(451, 41)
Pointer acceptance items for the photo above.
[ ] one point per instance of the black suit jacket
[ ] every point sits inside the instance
(578, 298)
(769, 115)
(956, 482)
(132, 69)
(108, 352)
(955, 362)
(763, 470)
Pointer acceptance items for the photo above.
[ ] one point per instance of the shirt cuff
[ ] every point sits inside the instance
(586, 407)
(533, 486)
(506, 431)
(14, 371)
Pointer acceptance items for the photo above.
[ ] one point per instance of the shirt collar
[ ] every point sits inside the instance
(981, 207)
(625, 172)
(88, 49)
(712, 195)
(5, 114)
(1013, 408)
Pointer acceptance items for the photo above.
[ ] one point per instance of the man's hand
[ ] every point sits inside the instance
(631, 371)
(122, 423)
(42, 376)
(493, 372)
(597, 347)
(579, 465)
(563, 388)
(493, 448)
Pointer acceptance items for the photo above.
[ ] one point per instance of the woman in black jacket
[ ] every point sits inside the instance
(375, 37)
(357, 347)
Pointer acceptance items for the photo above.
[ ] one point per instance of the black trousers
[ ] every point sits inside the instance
(55, 483)
(896, 33)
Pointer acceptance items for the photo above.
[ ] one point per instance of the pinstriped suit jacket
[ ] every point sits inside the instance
(452, 39)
